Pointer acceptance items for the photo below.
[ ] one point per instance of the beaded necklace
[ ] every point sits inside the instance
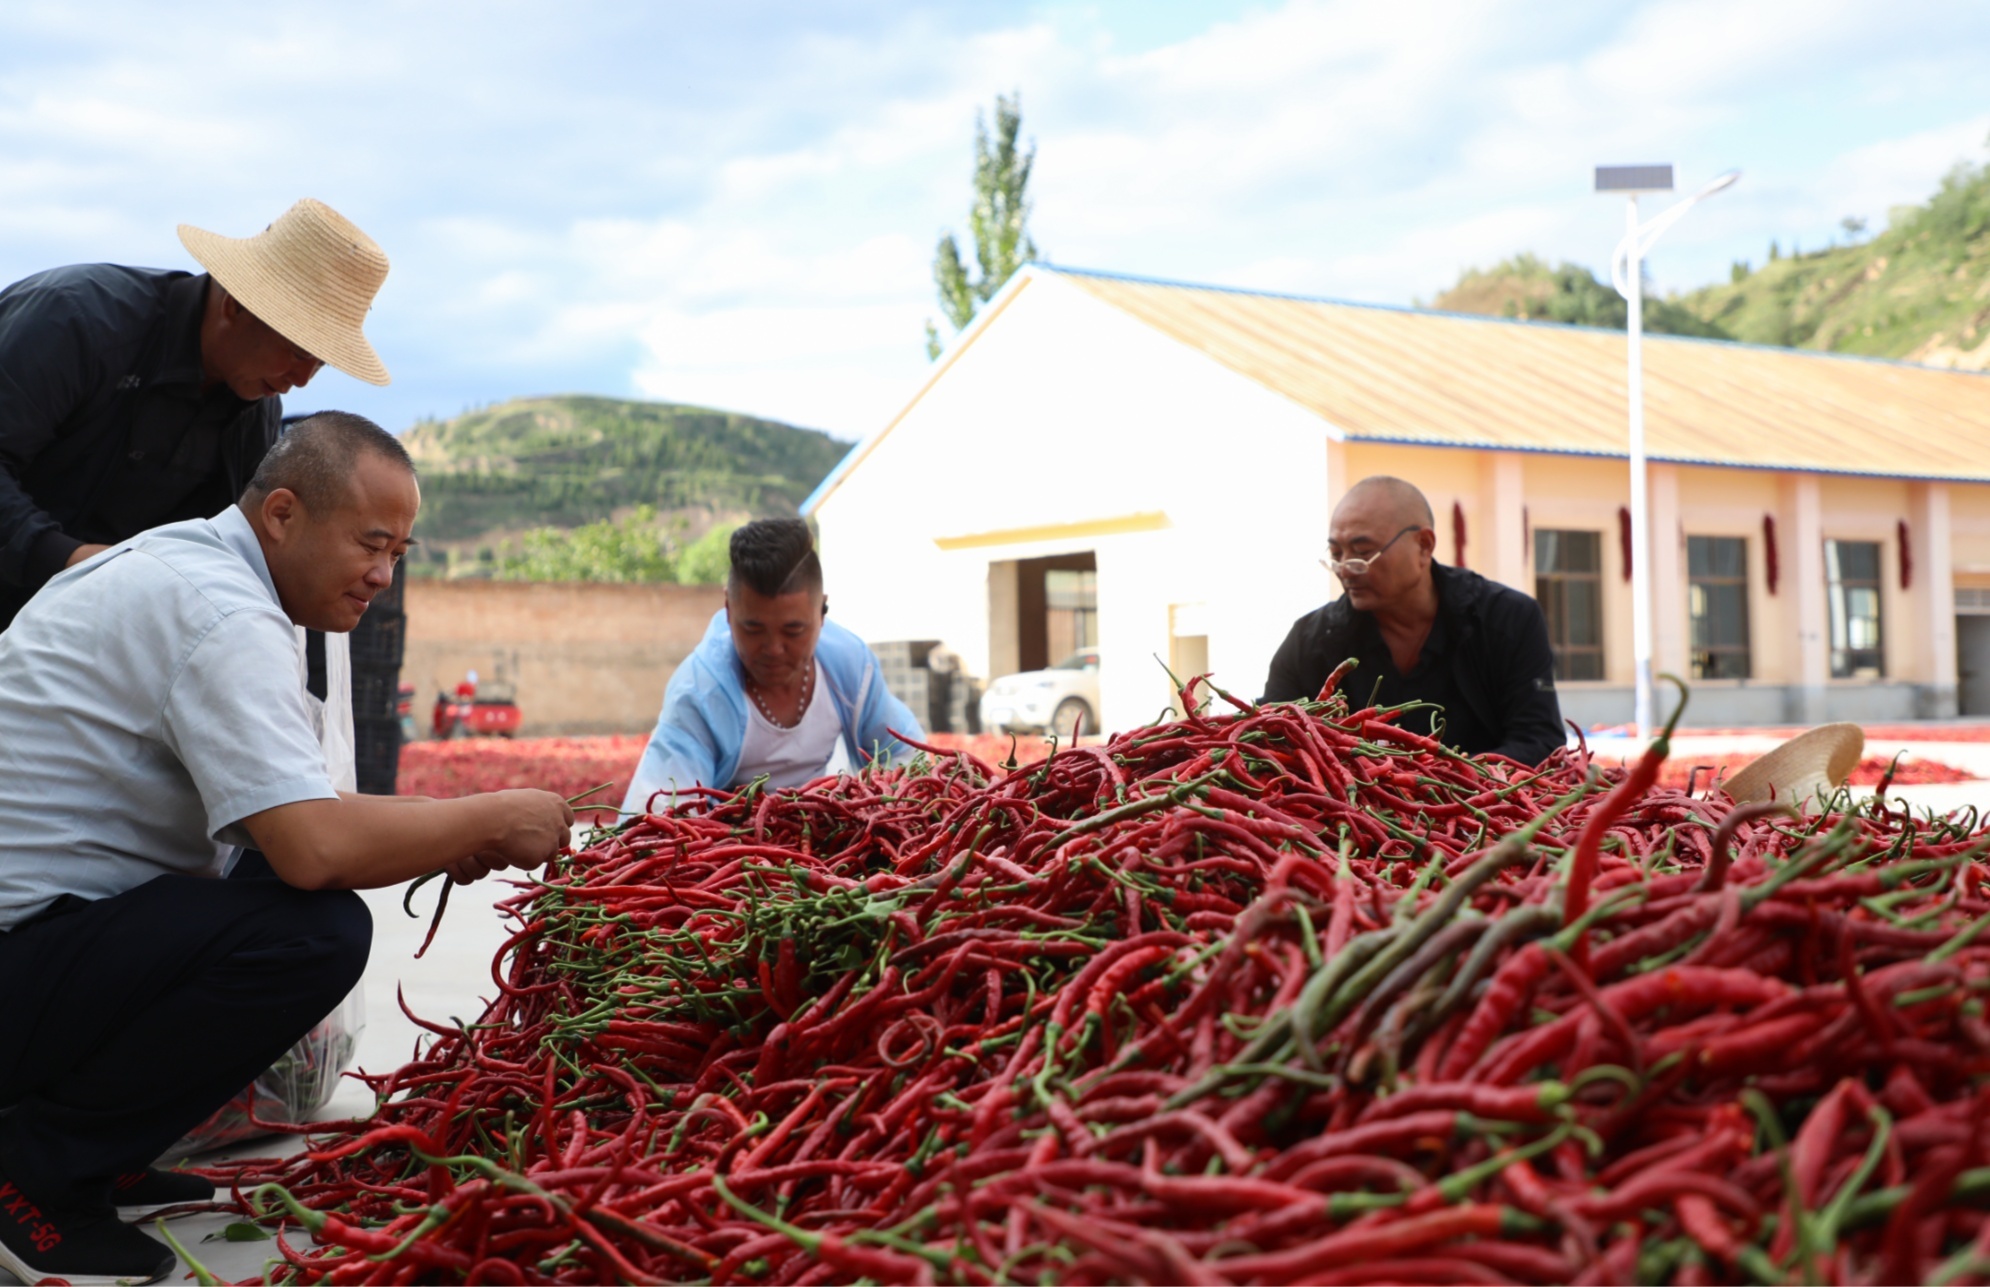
(808, 690)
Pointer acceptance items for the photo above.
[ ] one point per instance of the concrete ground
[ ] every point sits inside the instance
(448, 982)
(452, 979)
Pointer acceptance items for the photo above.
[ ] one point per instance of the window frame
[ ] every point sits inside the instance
(1698, 654)
(1550, 591)
(1842, 657)
(1080, 617)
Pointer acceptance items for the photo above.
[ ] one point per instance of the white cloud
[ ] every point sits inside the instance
(1870, 180)
(826, 367)
(736, 205)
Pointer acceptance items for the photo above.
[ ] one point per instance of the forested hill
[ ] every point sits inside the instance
(566, 461)
(1919, 290)
(1529, 288)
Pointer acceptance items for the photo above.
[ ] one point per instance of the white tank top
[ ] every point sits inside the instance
(789, 757)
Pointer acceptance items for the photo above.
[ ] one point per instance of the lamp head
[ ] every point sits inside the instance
(1720, 183)
(1633, 179)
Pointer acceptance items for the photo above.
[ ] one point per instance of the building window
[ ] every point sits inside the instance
(1851, 579)
(1071, 600)
(1717, 600)
(1568, 580)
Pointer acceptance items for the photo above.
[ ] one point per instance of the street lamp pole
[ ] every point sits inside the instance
(1634, 329)
(1627, 272)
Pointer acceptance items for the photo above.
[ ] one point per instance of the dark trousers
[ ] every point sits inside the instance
(126, 1021)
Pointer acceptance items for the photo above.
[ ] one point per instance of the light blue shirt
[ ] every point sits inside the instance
(149, 702)
(702, 727)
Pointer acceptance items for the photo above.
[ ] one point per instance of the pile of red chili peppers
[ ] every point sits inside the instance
(1283, 994)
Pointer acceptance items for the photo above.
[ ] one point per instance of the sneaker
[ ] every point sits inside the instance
(153, 1187)
(89, 1248)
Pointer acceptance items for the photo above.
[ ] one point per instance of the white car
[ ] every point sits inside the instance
(1051, 701)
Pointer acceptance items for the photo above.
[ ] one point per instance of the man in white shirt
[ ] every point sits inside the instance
(151, 722)
(775, 689)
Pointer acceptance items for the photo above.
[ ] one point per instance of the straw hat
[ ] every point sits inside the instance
(311, 275)
(1803, 767)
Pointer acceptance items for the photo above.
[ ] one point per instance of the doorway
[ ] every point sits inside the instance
(1972, 658)
(1057, 608)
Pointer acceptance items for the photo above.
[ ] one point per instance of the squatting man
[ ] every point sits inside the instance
(151, 724)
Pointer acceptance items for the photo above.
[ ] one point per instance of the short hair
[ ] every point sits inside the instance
(775, 556)
(315, 456)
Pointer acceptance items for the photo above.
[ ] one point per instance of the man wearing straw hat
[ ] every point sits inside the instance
(135, 397)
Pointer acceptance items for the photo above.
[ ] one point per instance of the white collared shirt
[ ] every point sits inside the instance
(149, 701)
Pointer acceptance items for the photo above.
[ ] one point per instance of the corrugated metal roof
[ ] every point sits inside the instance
(1446, 379)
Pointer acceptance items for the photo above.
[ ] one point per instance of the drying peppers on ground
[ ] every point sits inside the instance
(1267, 994)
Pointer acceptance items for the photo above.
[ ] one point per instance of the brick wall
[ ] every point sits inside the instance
(582, 658)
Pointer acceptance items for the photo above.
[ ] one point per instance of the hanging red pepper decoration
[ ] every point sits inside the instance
(1772, 563)
(1457, 535)
(1624, 537)
(1906, 556)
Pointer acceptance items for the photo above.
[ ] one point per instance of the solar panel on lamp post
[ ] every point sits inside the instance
(1627, 274)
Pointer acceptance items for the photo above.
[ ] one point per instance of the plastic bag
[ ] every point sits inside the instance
(293, 1089)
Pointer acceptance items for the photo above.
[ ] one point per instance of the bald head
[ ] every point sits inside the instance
(1390, 499)
(1384, 525)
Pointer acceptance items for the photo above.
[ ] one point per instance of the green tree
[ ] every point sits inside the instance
(707, 560)
(1571, 293)
(635, 549)
(998, 221)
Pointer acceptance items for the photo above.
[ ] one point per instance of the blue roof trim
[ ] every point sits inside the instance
(1490, 320)
(833, 477)
(1700, 462)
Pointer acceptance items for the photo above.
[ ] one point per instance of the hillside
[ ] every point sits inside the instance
(1919, 290)
(1527, 288)
(567, 461)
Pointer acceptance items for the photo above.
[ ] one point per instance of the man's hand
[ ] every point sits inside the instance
(527, 846)
(370, 842)
(536, 826)
(82, 552)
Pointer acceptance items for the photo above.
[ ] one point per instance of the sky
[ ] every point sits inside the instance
(736, 205)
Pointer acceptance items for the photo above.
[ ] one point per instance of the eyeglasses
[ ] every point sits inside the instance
(1360, 566)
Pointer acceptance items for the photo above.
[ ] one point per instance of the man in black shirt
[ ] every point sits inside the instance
(1418, 631)
(133, 397)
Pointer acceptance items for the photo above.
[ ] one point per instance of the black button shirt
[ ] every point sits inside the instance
(1375, 680)
(105, 430)
(1487, 664)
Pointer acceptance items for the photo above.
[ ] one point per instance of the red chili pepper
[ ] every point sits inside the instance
(1377, 1242)
(1589, 844)
(941, 1017)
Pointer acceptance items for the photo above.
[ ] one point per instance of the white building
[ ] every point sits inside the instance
(1819, 522)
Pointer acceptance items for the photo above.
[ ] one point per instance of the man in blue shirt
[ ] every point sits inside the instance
(135, 397)
(775, 689)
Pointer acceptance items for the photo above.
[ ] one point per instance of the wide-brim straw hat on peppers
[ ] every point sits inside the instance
(311, 275)
(1803, 767)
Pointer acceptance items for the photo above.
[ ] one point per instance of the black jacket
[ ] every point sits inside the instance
(1495, 644)
(104, 428)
